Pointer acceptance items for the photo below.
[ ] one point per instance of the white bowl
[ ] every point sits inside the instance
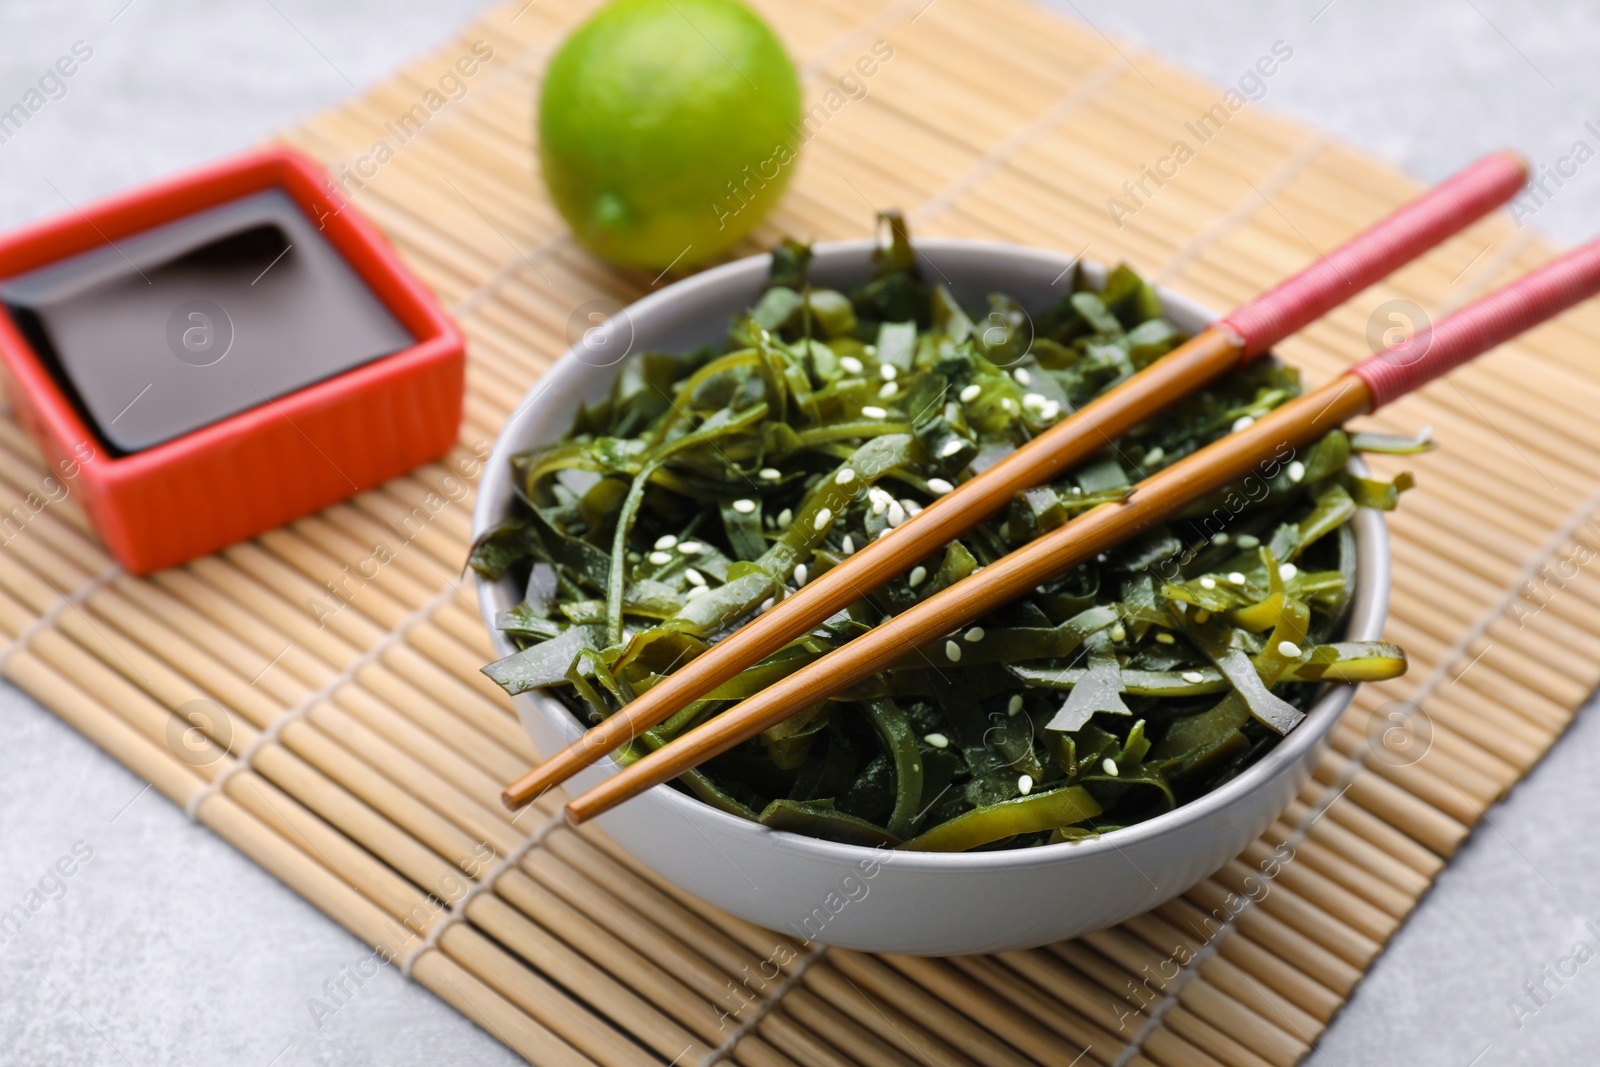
(874, 899)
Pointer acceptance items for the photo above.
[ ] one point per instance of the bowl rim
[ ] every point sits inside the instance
(1369, 607)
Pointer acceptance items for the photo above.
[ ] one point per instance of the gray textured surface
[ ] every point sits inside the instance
(1426, 85)
(169, 947)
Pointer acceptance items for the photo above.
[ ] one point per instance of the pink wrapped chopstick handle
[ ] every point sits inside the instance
(1439, 213)
(1482, 325)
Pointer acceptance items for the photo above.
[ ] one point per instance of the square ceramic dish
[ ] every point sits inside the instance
(281, 457)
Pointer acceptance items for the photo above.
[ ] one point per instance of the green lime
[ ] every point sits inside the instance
(668, 129)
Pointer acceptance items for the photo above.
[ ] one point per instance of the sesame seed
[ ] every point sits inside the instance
(887, 371)
(660, 558)
(1155, 455)
(870, 350)
(974, 635)
(785, 517)
(937, 740)
(1109, 765)
(1289, 649)
(1220, 539)
(771, 474)
(1249, 541)
(848, 546)
(1050, 411)
(691, 548)
(851, 364)
(824, 517)
(885, 532)
(1243, 422)
(1235, 578)
(1009, 404)
(951, 447)
(694, 576)
(917, 577)
(1022, 376)
(634, 557)
(1297, 471)
(888, 391)
(844, 477)
(694, 591)
(766, 605)
(939, 486)
(744, 506)
(1193, 677)
(1033, 400)
(897, 514)
(952, 652)
(1288, 571)
(1014, 705)
(880, 501)
(872, 411)
(970, 393)
(1119, 633)
(1025, 784)
(799, 574)
(912, 507)
(666, 542)
(1208, 583)
(1165, 638)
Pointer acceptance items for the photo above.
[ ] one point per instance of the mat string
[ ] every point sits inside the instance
(245, 759)
(458, 910)
(510, 269)
(1260, 196)
(1457, 652)
(74, 599)
(748, 1024)
(1059, 112)
(1494, 268)
(817, 68)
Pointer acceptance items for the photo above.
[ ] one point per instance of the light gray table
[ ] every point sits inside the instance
(170, 948)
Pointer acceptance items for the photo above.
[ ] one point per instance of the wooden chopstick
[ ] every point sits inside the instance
(1245, 334)
(1366, 387)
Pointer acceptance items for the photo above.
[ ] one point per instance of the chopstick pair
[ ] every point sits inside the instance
(1364, 388)
(1243, 335)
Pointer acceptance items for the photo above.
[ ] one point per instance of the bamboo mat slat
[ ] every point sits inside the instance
(313, 696)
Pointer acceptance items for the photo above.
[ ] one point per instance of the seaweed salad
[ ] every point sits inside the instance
(692, 498)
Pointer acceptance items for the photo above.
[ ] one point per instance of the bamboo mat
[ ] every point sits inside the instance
(313, 696)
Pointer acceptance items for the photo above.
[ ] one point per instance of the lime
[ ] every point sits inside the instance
(668, 129)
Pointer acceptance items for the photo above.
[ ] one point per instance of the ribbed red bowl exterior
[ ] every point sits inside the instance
(272, 464)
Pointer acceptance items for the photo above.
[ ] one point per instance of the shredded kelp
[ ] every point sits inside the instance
(712, 483)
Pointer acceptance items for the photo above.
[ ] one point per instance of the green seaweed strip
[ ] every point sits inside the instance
(1009, 818)
(820, 818)
(619, 554)
(1342, 661)
(894, 731)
